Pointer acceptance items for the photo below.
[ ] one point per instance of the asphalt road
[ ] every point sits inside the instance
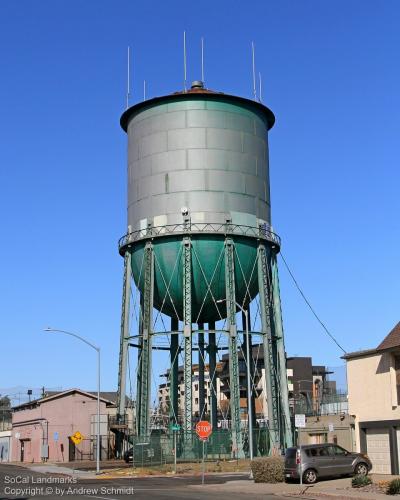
(22, 483)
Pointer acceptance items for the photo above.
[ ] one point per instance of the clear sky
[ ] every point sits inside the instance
(331, 75)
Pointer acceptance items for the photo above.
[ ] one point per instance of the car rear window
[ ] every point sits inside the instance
(290, 453)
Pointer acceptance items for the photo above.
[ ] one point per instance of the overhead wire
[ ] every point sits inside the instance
(310, 306)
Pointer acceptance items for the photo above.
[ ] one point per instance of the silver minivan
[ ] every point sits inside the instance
(323, 460)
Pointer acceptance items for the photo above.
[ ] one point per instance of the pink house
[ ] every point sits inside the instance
(42, 429)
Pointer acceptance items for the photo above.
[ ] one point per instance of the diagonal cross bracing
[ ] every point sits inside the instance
(187, 331)
(233, 350)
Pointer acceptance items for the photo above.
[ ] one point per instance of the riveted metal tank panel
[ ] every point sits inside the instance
(208, 153)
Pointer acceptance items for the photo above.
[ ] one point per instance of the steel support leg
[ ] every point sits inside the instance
(201, 372)
(286, 433)
(139, 366)
(123, 347)
(237, 442)
(272, 394)
(173, 380)
(143, 407)
(212, 356)
(244, 348)
(187, 331)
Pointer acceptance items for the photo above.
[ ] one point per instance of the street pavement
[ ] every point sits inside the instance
(25, 483)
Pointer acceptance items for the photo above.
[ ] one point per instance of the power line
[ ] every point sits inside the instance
(309, 305)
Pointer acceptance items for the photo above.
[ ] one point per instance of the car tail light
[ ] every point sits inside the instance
(298, 460)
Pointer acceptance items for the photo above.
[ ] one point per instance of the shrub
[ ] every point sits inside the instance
(394, 487)
(268, 470)
(360, 481)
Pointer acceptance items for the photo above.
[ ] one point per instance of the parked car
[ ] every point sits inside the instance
(323, 460)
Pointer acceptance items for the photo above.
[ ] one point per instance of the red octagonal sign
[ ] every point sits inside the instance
(203, 429)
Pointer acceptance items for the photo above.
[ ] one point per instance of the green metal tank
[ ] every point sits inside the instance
(197, 165)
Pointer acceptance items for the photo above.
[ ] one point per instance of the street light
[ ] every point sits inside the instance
(249, 391)
(55, 330)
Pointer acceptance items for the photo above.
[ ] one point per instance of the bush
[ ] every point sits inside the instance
(268, 470)
(360, 481)
(394, 487)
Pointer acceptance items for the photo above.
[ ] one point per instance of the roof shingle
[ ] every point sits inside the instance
(391, 340)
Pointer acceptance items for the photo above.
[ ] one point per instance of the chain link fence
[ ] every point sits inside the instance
(159, 449)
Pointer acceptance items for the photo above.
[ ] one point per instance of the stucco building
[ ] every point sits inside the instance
(374, 399)
(42, 428)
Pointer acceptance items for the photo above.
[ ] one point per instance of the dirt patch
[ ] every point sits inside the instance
(181, 468)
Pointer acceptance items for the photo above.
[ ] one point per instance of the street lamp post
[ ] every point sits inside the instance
(249, 391)
(96, 348)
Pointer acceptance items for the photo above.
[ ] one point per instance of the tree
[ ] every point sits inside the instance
(5, 412)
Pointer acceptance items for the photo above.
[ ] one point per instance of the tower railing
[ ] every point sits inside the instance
(262, 231)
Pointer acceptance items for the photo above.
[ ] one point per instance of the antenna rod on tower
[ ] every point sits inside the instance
(184, 60)
(202, 60)
(260, 81)
(128, 79)
(254, 72)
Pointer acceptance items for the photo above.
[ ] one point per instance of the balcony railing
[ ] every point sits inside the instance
(262, 231)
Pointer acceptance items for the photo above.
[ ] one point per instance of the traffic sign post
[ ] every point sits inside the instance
(203, 430)
(299, 422)
(203, 469)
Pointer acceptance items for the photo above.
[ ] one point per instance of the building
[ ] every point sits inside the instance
(374, 399)
(164, 393)
(309, 386)
(335, 428)
(5, 445)
(310, 391)
(42, 429)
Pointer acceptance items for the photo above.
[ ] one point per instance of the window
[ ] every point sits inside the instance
(397, 370)
(196, 401)
(290, 453)
(338, 450)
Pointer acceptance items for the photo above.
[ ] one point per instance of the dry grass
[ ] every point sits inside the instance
(181, 468)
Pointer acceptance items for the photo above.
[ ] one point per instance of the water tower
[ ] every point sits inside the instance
(200, 247)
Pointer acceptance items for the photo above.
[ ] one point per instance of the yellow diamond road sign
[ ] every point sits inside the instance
(77, 437)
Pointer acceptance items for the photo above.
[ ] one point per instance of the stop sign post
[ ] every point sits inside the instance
(203, 430)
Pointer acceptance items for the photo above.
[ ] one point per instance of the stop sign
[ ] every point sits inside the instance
(203, 429)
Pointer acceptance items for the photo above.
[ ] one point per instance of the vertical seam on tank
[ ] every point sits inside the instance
(166, 180)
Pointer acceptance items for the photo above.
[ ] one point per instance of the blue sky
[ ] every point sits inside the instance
(331, 75)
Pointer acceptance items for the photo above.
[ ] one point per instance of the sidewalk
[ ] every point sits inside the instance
(54, 468)
(332, 489)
